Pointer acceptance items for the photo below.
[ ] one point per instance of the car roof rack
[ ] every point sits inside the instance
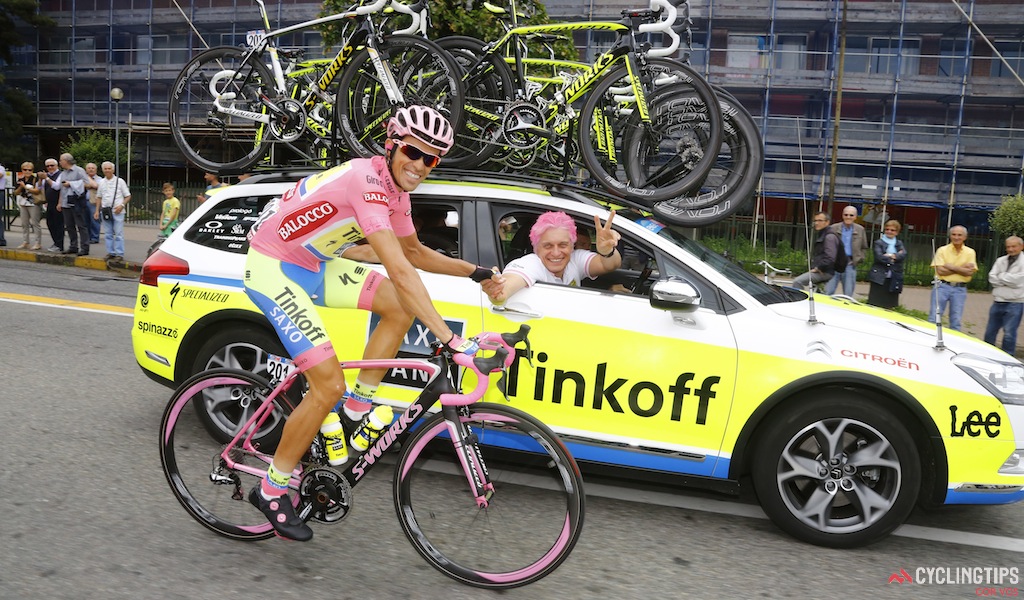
(594, 196)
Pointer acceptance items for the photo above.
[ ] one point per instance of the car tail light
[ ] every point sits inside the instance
(161, 263)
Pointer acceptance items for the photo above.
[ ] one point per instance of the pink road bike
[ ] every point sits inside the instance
(486, 493)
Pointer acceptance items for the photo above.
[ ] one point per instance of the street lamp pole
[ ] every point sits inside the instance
(116, 94)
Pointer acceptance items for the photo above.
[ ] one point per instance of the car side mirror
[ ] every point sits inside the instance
(674, 294)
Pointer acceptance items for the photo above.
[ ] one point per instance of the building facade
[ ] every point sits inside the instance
(930, 115)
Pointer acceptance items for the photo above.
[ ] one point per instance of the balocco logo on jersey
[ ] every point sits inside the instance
(303, 221)
(376, 198)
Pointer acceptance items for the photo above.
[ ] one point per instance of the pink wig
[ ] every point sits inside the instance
(552, 220)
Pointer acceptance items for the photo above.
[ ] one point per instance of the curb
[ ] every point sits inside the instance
(83, 262)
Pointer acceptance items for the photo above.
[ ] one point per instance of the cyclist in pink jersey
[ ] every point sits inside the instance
(300, 257)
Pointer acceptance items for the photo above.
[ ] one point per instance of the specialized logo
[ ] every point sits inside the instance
(305, 220)
(291, 320)
(375, 198)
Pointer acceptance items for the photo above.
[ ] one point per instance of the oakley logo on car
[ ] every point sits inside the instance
(643, 398)
(303, 221)
(291, 319)
(974, 423)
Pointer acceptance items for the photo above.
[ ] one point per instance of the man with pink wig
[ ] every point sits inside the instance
(554, 258)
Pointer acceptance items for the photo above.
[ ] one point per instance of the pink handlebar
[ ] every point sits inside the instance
(503, 345)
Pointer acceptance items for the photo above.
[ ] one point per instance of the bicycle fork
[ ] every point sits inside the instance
(468, 451)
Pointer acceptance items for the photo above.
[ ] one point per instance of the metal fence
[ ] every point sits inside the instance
(143, 209)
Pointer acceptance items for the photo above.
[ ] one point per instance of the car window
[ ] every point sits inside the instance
(638, 268)
(437, 226)
(226, 226)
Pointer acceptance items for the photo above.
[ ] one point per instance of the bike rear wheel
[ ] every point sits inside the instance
(210, 138)
(425, 75)
(532, 520)
(209, 491)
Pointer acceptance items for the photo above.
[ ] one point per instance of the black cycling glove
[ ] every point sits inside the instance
(482, 274)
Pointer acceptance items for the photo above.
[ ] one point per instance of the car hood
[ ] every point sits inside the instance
(864, 320)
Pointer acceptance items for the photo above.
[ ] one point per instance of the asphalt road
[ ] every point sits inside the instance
(88, 513)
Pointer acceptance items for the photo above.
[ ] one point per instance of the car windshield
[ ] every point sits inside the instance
(758, 289)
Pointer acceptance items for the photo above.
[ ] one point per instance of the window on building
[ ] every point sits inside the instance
(1013, 53)
(144, 50)
(855, 59)
(951, 58)
(791, 52)
(747, 51)
(163, 49)
(886, 55)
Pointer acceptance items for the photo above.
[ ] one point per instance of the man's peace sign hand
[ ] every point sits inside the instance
(607, 238)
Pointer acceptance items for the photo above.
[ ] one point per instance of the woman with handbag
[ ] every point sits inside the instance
(30, 199)
(886, 275)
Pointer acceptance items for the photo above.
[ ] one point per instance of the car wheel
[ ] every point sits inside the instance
(240, 347)
(836, 470)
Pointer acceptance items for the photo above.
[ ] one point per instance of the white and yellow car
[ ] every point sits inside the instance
(680, 365)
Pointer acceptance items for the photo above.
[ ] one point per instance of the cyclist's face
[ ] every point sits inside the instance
(554, 249)
(410, 173)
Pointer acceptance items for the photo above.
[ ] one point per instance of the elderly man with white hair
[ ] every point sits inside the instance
(111, 196)
(73, 203)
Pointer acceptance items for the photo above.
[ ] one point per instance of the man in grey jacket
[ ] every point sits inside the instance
(72, 183)
(855, 242)
(1007, 279)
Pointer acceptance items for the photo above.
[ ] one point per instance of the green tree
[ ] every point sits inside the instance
(90, 146)
(1008, 219)
(16, 107)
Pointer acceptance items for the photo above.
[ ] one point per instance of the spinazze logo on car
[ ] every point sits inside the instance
(305, 220)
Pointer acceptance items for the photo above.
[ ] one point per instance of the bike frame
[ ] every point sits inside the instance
(366, 34)
(438, 389)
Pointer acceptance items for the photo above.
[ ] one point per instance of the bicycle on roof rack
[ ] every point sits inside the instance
(231, 108)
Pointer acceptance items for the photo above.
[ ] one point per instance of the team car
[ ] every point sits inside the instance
(679, 366)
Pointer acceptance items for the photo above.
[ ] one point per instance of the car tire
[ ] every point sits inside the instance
(243, 347)
(836, 469)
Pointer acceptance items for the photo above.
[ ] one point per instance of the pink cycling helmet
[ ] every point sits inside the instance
(423, 123)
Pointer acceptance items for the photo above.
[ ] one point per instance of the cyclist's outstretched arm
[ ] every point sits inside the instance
(412, 294)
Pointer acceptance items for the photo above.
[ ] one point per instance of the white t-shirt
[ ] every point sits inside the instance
(532, 270)
(112, 192)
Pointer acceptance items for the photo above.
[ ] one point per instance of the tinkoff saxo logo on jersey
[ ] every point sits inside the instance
(305, 220)
(292, 321)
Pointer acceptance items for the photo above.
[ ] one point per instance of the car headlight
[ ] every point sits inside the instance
(1004, 380)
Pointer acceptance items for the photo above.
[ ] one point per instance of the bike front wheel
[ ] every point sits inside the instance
(220, 139)
(212, 492)
(532, 519)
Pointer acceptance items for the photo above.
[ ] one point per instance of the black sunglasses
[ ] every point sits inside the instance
(429, 160)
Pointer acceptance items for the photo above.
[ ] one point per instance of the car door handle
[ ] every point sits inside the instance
(509, 310)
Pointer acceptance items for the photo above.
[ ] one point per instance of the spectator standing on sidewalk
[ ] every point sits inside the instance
(93, 206)
(30, 212)
(1007, 279)
(73, 204)
(169, 214)
(212, 182)
(855, 243)
(54, 220)
(827, 246)
(954, 264)
(111, 197)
